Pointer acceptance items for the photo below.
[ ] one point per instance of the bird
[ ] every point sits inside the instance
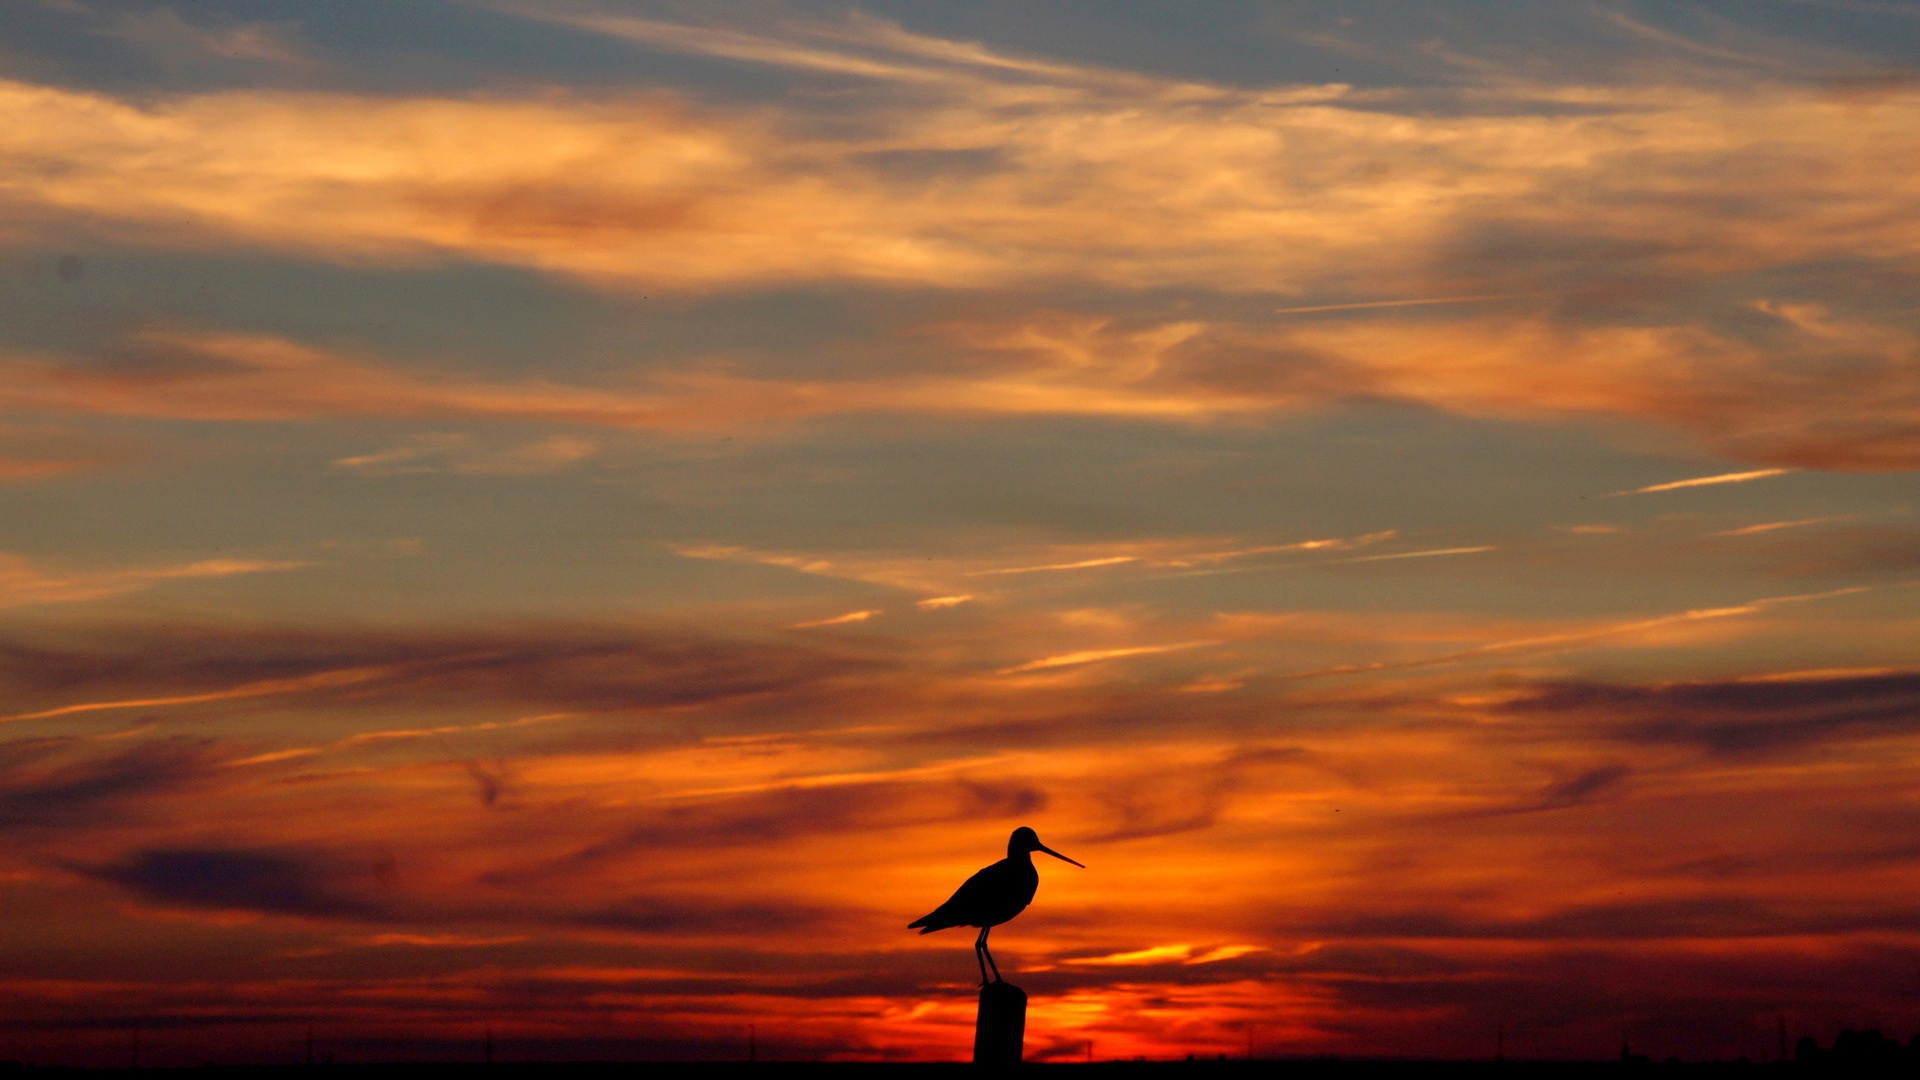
(992, 896)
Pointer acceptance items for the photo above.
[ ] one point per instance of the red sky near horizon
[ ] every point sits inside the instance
(581, 520)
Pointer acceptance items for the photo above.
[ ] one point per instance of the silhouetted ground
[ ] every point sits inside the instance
(1314, 1069)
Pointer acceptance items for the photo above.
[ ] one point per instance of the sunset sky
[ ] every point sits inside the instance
(582, 518)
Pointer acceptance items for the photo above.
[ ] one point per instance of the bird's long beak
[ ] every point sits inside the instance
(1061, 857)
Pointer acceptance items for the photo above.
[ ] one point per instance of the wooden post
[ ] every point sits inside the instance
(1001, 1030)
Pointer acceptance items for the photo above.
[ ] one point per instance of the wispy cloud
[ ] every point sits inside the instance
(563, 669)
(1092, 656)
(1116, 183)
(1083, 564)
(461, 453)
(1167, 954)
(323, 680)
(1369, 304)
(1331, 544)
(12, 468)
(1580, 638)
(1771, 526)
(839, 620)
(945, 574)
(1702, 481)
(164, 33)
(1422, 554)
(368, 738)
(23, 584)
(935, 603)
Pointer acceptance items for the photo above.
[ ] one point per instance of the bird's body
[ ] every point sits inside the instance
(988, 898)
(992, 896)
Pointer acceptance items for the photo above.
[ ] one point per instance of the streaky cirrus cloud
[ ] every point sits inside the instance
(1741, 399)
(1527, 821)
(1094, 656)
(1600, 201)
(1702, 481)
(839, 620)
(1748, 716)
(23, 584)
(65, 782)
(149, 668)
(1129, 181)
(458, 452)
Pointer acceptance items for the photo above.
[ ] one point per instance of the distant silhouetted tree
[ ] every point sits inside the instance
(1858, 1049)
(1807, 1049)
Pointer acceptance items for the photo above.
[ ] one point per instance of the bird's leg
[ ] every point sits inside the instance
(988, 953)
(979, 947)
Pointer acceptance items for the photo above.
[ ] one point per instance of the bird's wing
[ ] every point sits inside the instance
(957, 911)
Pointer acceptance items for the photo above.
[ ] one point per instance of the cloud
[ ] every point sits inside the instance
(1083, 368)
(689, 862)
(12, 469)
(935, 603)
(1704, 481)
(1167, 954)
(1083, 564)
(792, 810)
(1584, 785)
(165, 34)
(1094, 656)
(21, 584)
(1186, 798)
(838, 620)
(1743, 716)
(1560, 642)
(460, 453)
(234, 377)
(1585, 207)
(1422, 554)
(275, 882)
(437, 941)
(209, 376)
(943, 570)
(1844, 550)
(1699, 918)
(694, 917)
(1370, 304)
(1158, 954)
(725, 199)
(579, 667)
(1742, 399)
(1772, 526)
(57, 782)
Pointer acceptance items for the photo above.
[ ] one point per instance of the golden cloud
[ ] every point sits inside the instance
(996, 173)
(1050, 174)
(23, 584)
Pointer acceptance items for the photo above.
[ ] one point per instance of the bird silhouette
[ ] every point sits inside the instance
(992, 896)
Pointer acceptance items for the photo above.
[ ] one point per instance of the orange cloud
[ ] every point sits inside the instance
(838, 620)
(757, 850)
(21, 584)
(1739, 399)
(460, 453)
(1052, 172)
(1100, 176)
(1703, 481)
(1092, 656)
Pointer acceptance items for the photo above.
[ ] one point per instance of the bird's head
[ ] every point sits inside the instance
(1024, 840)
